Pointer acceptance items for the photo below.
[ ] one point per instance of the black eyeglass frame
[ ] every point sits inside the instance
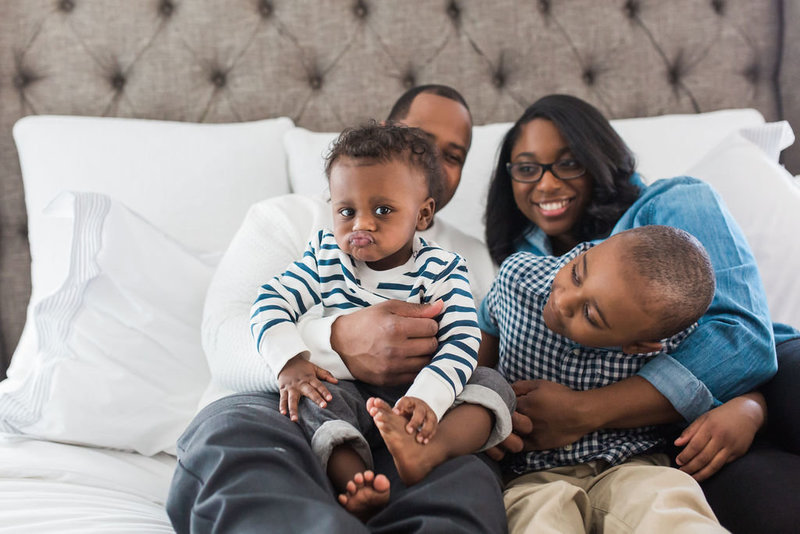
(545, 167)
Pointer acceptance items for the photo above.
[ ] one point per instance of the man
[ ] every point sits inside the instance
(243, 467)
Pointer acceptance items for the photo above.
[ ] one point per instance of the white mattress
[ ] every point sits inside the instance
(54, 487)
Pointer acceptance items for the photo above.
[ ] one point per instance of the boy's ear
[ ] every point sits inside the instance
(642, 347)
(425, 215)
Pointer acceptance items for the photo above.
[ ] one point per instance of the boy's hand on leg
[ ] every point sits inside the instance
(421, 418)
(720, 436)
(301, 378)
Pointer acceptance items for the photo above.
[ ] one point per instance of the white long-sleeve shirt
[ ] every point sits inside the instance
(327, 277)
(272, 235)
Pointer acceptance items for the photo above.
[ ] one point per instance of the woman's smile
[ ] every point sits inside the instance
(553, 208)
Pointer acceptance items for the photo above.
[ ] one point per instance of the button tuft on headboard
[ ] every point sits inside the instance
(66, 5)
(454, 11)
(409, 80)
(218, 78)
(23, 79)
(360, 9)
(265, 8)
(118, 81)
(315, 81)
(166, 8)
(753, 73)
(589, 76)
(499, 79)
(674, 75)
(718, 6)
(632, 8)
(544, 7)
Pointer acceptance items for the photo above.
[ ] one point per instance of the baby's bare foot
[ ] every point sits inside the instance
(365, 494)
(413, 460)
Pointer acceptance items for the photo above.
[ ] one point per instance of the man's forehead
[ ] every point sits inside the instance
(447, 120)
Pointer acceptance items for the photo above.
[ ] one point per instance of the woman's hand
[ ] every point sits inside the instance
(721, 435)
(389, 343)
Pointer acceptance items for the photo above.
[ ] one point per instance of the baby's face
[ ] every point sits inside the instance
(377, 208)
(595, 301)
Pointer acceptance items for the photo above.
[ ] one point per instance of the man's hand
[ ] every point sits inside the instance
(521, 428)
(720, 436)
(555, 413)
(389, 343)
(421, 419)
(301, 378)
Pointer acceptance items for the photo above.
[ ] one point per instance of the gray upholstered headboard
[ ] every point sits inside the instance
(328, 63)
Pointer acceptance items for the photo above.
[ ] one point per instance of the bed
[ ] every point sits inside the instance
(149, 127)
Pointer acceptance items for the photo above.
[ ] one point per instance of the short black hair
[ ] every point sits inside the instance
(380, 143)
(400, 109)
(677, 270)
(594, 143)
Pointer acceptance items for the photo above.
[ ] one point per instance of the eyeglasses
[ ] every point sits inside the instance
(530, 173)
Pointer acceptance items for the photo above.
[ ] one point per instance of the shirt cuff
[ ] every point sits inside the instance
(437, 393)
(281, 345)
(688, 395)
(485, 322)
(316, 332)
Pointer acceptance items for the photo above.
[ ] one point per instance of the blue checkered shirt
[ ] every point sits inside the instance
(529, 350)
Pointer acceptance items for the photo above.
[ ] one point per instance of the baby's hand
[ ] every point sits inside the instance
(421, 418)
(301, 378)
(720, 436)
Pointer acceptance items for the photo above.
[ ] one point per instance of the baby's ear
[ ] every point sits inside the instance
(425, 215)
(642, 347)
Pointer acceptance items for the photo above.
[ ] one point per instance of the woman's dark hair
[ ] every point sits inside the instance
(380, 143)
(594, 143)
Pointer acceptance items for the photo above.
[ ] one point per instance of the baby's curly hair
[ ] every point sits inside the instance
(381, 143)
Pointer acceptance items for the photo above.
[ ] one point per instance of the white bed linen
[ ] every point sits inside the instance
(48, 487)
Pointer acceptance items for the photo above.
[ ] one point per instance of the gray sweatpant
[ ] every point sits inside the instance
(345, 419)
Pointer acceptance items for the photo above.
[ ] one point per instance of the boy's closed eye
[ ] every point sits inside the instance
(588, 311)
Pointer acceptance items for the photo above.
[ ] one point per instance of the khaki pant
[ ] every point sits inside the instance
(641, 495)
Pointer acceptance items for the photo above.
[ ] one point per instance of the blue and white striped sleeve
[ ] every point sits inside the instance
(455, 359)
(280, 303)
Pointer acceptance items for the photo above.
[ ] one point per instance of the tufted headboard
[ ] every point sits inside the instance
(329, 63)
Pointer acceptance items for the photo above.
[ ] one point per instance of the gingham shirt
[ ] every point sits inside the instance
(529, 350)
(325, 275)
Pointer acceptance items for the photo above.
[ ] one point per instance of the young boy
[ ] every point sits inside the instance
(585, 320)
(383, 181)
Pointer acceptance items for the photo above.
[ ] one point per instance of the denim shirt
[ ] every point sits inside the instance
(733, 349)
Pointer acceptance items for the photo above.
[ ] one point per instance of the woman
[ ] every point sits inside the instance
(565, 176)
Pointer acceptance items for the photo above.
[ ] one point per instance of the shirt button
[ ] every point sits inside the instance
(576, 352)
(568, 447)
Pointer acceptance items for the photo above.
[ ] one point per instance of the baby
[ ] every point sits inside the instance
(383, 181)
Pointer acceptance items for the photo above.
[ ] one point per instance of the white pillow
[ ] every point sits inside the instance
(305, 155)
(765, 202)
(664, 146)
(120, 362)
(195, 182)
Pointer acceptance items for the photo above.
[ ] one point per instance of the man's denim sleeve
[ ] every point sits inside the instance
(732, 351)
